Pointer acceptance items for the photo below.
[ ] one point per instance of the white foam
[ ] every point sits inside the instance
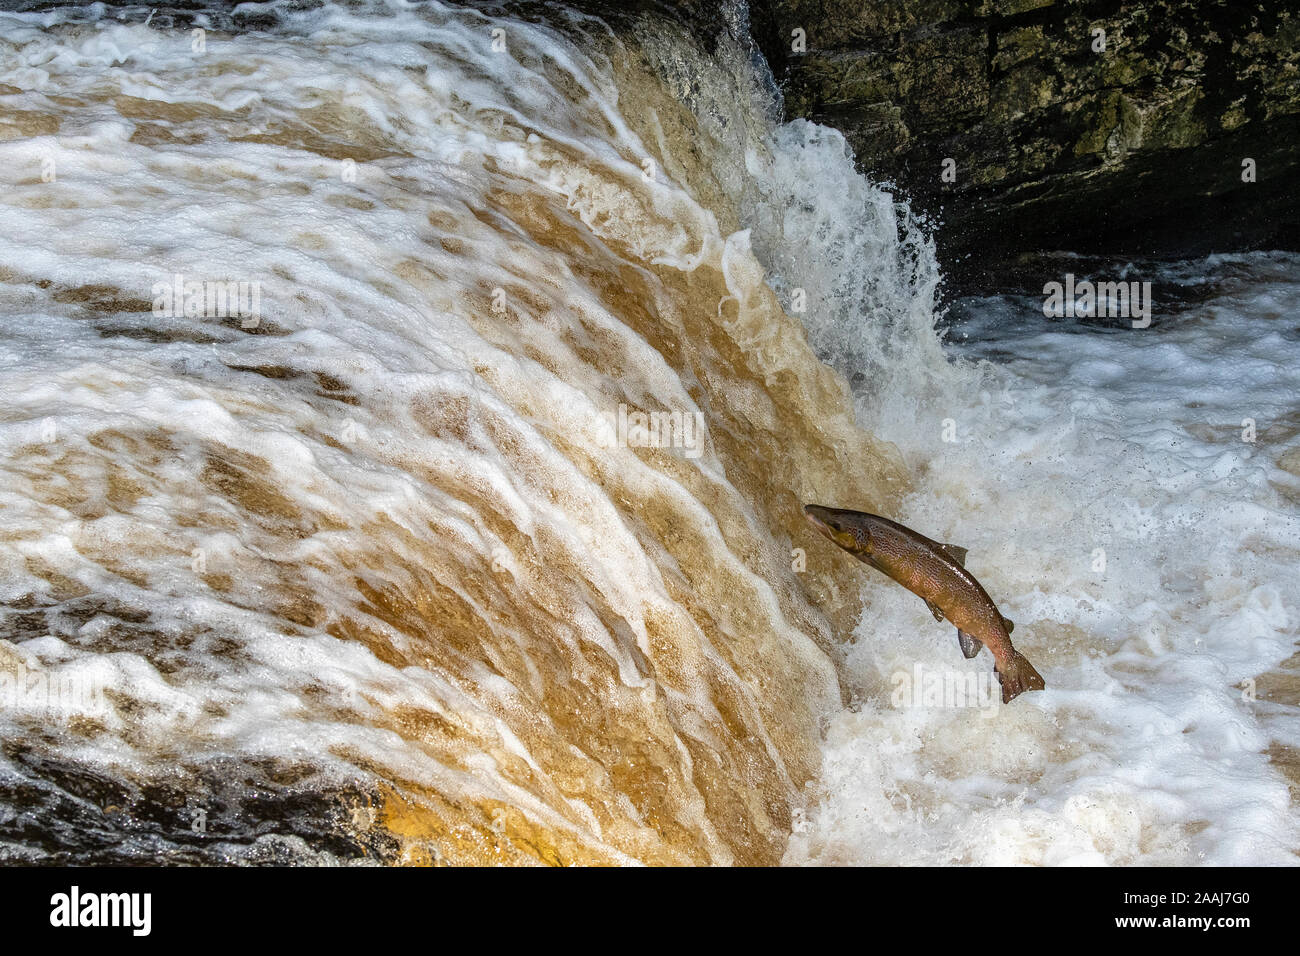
(1146, 747)
(1142, 750)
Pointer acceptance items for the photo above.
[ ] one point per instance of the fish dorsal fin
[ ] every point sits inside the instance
(1008, 624)
(935, 610)
(956, 553)
(970, 646)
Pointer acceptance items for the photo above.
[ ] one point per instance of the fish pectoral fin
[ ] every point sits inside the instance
(958, 554)
(870, 562)
(935, 610)
(970, 646)
(1008, 624)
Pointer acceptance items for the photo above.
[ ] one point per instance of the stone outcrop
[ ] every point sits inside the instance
(1059, 141)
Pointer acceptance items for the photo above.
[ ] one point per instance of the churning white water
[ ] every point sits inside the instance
(1129, 496)
(321, 512)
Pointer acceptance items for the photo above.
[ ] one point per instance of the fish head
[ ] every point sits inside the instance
(845, 528)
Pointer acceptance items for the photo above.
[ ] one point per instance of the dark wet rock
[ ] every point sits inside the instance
(1134, 150)
(56, 812)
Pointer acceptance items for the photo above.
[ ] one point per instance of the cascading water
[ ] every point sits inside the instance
(406, 418)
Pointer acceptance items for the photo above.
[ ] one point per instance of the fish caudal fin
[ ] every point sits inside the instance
(1018, 676)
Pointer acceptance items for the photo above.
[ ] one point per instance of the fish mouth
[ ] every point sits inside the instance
(818, 517)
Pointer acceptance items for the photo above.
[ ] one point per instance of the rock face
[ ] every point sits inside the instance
(1083, 125)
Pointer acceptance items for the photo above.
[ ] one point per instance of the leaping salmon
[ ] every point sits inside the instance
(937, 574)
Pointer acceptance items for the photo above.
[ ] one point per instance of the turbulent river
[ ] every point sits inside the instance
(405, 419)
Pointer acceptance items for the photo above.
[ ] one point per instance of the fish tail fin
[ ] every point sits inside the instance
(1018, 676)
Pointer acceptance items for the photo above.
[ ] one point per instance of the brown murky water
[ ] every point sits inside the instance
(406, 423)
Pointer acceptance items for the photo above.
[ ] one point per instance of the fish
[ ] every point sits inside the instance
(937, 574)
